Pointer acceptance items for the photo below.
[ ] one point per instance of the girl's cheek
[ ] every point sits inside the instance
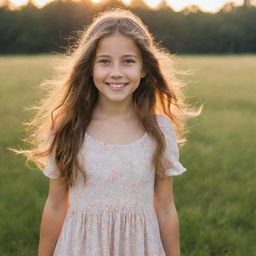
(103, 69)
(98, 71)
(135, 73)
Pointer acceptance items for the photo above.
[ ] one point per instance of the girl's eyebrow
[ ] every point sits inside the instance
(130, 55)
(108, 56)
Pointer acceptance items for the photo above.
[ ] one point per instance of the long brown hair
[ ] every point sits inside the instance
(63, 115)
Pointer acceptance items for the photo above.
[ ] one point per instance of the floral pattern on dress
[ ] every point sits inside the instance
(113, 214)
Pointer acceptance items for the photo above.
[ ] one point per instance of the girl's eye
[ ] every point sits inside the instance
(105, 61)
(129, 61)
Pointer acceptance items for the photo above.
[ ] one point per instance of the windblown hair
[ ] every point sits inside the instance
(62, 117)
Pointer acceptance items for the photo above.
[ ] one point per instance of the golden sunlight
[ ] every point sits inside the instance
(127, 1)
(153, 3)
(18, 2)
(210, 6)
(177, 5)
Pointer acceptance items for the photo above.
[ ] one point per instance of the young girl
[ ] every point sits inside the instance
(106, 138)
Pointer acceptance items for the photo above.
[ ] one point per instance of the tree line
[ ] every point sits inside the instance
(50, 29)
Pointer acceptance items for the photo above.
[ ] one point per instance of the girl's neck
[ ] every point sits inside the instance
(114, 111)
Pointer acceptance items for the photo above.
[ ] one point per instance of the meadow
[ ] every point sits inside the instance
(215, 198)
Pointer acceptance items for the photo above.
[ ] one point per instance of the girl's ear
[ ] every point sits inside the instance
(143, 74)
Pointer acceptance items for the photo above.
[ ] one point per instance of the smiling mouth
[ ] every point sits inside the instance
(117, 85)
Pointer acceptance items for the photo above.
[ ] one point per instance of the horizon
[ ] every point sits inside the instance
(176, 5)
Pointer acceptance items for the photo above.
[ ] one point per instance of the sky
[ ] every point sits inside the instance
(177, 5)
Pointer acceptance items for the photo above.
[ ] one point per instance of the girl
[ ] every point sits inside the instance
(106, 137)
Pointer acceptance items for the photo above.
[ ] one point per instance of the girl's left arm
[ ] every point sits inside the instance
(167, 215)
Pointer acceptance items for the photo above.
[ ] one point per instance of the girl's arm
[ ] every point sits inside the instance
(53, 217)
(167, 216)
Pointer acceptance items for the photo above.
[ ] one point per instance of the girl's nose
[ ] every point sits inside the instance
(116, 71)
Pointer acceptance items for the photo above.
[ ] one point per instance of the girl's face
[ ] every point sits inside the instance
(118, 68)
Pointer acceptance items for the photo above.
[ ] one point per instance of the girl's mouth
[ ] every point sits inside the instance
(116, 86)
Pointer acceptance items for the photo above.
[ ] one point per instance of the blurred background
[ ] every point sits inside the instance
(187, 26)
(216, 41)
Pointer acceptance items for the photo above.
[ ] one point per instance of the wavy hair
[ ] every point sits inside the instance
(62, 117)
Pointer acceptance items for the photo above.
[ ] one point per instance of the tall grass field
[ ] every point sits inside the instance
(215, 198)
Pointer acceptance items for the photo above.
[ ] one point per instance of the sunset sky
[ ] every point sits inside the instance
(177, 5)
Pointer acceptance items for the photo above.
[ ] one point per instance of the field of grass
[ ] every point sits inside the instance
(215, 199)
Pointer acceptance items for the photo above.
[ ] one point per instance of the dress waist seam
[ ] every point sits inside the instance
(94, 208)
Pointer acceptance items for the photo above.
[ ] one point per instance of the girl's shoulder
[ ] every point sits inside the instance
(164, 121)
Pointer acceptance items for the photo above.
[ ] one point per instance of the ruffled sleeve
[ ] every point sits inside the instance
(51, 169)
(172, 150)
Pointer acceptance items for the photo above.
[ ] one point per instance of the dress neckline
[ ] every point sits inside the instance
(116, 145)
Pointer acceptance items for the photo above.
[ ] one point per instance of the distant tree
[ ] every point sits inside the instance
(247, 2)
(191, 9)
(228, 7)
(138, 4)
(56, 25)
(163, 5)
(6, 4)
(111, 3)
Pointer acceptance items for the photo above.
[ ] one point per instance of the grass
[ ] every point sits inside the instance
(215, 199)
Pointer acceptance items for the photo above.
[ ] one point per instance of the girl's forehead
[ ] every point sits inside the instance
(117, 45)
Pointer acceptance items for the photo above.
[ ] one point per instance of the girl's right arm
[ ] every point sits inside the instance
(53, 216)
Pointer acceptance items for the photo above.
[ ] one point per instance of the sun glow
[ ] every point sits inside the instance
(153, 3)
(209, 6)
(127, 1)
(177, 5)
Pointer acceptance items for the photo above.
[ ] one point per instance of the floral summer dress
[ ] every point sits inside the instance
(113, 214)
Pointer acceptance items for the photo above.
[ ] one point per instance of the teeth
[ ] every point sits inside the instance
(117, 85)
